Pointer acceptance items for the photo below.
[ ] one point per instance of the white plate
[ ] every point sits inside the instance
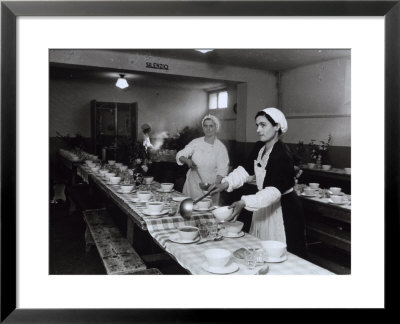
(179, 199)
(303, 194)
(333, 203)
(231, 267)
(275, 260)
(224, 233)
(149, 213)
(195, 208)
(123, 192)
(160, 190)
(176, 239)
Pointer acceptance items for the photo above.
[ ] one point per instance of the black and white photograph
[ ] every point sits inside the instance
(200, 161)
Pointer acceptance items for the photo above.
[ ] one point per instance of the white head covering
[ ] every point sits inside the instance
(214, 119)
(278, 117)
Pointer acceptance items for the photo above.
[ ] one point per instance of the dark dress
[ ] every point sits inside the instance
(280, 174)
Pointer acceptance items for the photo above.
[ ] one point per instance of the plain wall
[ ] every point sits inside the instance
(317, 102)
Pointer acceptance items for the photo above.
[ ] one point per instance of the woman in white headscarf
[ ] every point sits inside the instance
(277, 211)
(206, 157)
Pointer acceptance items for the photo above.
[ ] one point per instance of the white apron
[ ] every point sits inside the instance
(267, 223)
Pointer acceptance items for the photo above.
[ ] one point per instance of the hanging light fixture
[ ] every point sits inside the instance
(204, 51)
(121, 82)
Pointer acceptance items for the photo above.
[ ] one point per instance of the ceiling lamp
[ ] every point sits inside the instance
(204, 51)
(121, 82)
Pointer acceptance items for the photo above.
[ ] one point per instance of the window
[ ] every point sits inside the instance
(218, 99)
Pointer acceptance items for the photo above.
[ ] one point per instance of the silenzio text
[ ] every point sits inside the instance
(157, 66)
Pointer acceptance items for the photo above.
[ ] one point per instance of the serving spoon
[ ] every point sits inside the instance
(186, 206)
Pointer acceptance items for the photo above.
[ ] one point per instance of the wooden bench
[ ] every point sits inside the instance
(117, 254)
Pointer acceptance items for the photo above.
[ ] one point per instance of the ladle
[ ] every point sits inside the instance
(203, 185)
(186, 206)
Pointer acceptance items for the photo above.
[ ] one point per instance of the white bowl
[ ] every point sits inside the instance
(217, 257)
(335, 190)
(148, 180)
(347, 170)
(103, 172)
(326, 167)
(222, 213)
(167, 186)
(108, 175)
(144, 196)
(337, 199)
(115, 180)
(234, 227)
(126, 188)
(204, 204)
(314, 185)
(188, 232)
(155, 206)
(274, 249)
(95, 168)
(111, 162)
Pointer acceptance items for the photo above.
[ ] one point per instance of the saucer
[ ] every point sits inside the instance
(124, 192)
(303, 194)
(231, 267)
(333, 203)
(179, 199)
(195, 208)
(149, 213)
(136, 200)
(160, 190)
(176, 239)
(275, 260)
(224, 233)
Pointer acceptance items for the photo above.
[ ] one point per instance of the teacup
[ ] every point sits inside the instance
(144, 196)
(126, 188)
(111, 162)
(347, 170)
(167, 187)
(314, 185)
(337, 199)
(274, 249)
(123, 167)
(204, 204)
(326, 167)
(148, 180)
(335, 190)
(155, 206)
(115, 180)
(309, 191)
(188, 232)
(234, 227)
(118, 164)
(217, 257)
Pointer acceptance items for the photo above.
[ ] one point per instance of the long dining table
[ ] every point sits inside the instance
(191, 257)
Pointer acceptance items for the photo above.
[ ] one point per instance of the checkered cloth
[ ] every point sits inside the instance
(191, 256)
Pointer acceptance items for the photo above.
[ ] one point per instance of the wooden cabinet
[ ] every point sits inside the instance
(113, 126)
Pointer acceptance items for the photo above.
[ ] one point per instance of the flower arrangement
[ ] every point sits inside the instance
(139, 157)
(319, 151)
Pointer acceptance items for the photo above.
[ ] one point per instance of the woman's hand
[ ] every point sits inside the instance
(237, 207)
(215, 188)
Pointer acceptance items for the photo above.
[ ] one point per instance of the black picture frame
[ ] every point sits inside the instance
(10, 10)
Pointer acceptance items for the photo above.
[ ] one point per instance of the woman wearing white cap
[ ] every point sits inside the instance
(277, 210)
(208, 155)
